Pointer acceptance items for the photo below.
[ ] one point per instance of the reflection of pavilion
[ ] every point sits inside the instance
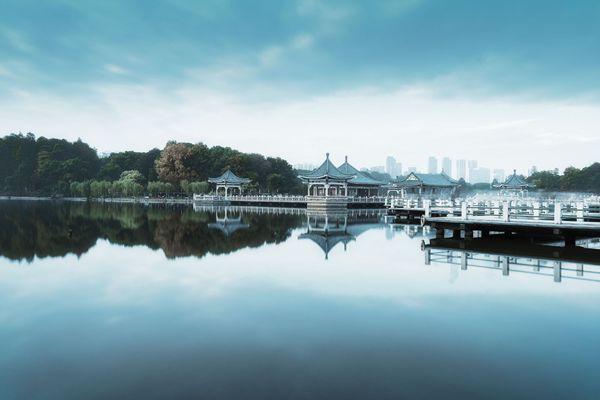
(329, 229)
(228, 221)
(518, 256)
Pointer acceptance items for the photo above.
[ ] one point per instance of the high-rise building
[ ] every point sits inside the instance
(447, 166)
(499, 175)
(472, 167)
(392, 167)
(461, 169)
(432, 165)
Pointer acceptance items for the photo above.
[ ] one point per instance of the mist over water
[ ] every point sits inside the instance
(129, 301)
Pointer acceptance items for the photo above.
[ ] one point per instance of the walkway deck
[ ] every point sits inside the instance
(293, 201)
(568, 220)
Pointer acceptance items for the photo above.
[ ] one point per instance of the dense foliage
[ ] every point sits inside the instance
(573, 179)
(198, 162)
(30, 166)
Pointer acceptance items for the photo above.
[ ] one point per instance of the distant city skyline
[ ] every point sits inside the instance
(472, 170)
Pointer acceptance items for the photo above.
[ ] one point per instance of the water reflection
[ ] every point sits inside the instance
(277, 320)
(580, 262)
(54, 229)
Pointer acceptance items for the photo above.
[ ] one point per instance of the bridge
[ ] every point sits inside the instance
(294, 201)
(569, 220)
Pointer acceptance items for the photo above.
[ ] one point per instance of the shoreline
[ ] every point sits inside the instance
(136, 200)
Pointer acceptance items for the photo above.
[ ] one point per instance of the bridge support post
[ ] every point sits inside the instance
(580, 212)
(463, 260)
(536, 210)
(557, 271)
(464, 212)
(427, 208)
(427, 256)
(557, 213)
(505, 265)
(439, 233)
(505, 212)
(579, 269)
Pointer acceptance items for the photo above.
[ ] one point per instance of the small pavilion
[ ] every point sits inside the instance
(514, 183)
(439, 185)
(360, 184)
(230, 183)
(327, 180)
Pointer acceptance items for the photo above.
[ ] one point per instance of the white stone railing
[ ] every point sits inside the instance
(286, 198)
(555, 211)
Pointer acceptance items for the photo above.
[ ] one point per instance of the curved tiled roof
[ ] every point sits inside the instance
(327, 170)
(359, 177)
(514, 182)
(229, 177)
(418, 179)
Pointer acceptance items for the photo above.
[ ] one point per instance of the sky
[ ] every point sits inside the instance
(509, 83)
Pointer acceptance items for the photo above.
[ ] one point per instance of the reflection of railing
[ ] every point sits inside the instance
(518, 256)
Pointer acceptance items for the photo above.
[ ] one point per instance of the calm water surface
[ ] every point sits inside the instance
(127, 301)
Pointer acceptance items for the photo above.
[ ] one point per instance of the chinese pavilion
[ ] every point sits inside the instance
(230, 183)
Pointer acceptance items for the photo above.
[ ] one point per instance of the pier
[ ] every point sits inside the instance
(569, 221)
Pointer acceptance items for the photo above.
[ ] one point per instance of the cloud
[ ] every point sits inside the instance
(472, 77)
(115, 69)
(468, 48)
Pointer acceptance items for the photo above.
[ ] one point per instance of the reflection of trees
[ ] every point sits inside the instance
(45, 229)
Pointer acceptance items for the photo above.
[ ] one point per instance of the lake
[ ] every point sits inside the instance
(171, 301)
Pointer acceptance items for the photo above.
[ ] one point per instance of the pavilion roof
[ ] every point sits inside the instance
(418, 179)
(514, 182)
(359, 177)
(229, 177)
(327, 171)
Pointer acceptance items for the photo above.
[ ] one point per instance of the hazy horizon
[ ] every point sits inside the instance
(510, 84)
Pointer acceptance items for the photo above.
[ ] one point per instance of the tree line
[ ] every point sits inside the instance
(40, 166)
(572, 180)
